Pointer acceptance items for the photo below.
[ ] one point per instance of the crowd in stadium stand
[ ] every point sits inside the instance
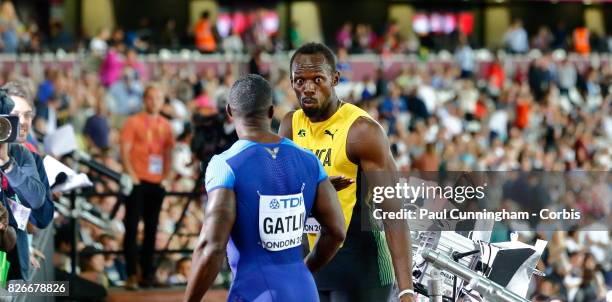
(206, 36)
(554, 116)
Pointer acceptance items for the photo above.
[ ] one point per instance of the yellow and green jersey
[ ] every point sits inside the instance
(364, 259)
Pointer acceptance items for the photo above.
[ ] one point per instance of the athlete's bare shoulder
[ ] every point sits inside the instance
(366, 138)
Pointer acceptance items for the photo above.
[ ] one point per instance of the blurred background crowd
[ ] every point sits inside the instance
(538, 101)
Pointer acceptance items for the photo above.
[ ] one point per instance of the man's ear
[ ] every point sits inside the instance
(335, 78)
(228, 109)
(271, 112)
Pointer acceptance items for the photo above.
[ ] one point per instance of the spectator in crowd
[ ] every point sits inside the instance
(203, 102)
(256, 65)
(169, 37)
(344, 37)
(99, 44)
(124, 97)
(204, 34)
(183, 162)
(496, 77)
(146, 145)
(232, 44)
(415, 105)
(365, 38)
(392, 107)
(543, 39)
(342, 65)
(117, 38)
(581, 39)
(59, 36)
(429, 160)
(46, 120)
(164, 270)
(567, 77)
(9, 27)
(540, 77)
(516, 38)
(182, 272)
(112, 66)
(465, 57)
(560, 36)
(258, 34)
(31, 39)
(114, 266)
(222, 91)
(133, 62)
(97, 129)
(142, 38)
(92, 266)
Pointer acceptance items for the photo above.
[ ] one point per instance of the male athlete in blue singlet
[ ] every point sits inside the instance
(260, 192)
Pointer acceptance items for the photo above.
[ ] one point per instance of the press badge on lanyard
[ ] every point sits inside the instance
(281, 221)
(156, 164)
(20, 213)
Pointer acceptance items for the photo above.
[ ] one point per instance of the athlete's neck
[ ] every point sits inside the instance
(255, 130)
(332, 108)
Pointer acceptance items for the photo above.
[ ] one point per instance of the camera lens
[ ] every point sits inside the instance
(5, 129)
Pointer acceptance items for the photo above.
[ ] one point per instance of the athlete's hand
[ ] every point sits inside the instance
(340, 182)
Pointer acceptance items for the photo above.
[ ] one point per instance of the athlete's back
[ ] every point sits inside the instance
(275, 186)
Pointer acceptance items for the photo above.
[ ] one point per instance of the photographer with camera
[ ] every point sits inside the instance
(22, 190)
(24, 108)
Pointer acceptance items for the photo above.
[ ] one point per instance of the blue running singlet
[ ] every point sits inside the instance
(275, 186)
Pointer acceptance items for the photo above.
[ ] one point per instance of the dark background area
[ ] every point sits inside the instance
(130, 13)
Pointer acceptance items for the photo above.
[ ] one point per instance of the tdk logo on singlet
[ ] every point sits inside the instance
(274, 204)
(285, 203)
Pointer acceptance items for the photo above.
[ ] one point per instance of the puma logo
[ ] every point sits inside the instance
(273, 152)
(330, 133)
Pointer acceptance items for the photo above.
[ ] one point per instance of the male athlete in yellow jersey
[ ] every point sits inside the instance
(347, 140)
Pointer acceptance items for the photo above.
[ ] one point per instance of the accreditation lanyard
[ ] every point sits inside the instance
(154, 133)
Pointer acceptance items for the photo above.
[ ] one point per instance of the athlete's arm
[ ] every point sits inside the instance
(368, 146)
(209, 253)
(328, 213)
(286, 127)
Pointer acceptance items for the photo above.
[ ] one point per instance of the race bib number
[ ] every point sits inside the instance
(281, 221)
(21, 213)
(156, 164)
(312, 226)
